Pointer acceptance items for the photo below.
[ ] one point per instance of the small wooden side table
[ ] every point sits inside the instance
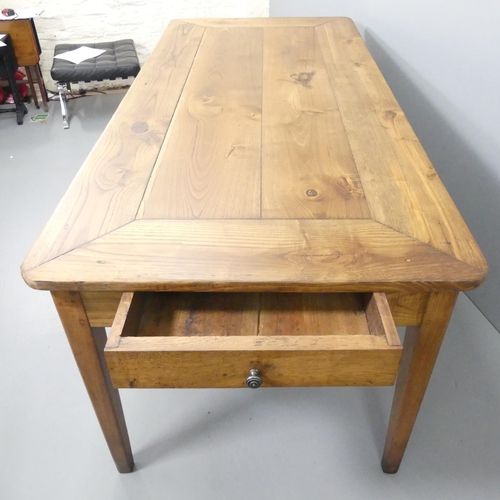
(258, 212)
(27, 49)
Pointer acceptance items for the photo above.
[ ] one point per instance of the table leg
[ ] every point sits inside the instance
(41, 86)
(32, 86)
(87, 345)
(421, 348)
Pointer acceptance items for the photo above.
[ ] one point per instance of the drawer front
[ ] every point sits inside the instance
(215, 340)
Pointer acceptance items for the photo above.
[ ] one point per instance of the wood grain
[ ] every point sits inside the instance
(255, 255)
(380, 322)
(213, 339)
(288, 166)
(360, 363)
(108, 189)
(307, 166)
(406, 309)
(421, 348)
(210, 80)
(126, 317)
(200, 314)
(101, 307)
(224, 314)
(284, 361)
(387, 190)
(312, 314)
(209, 165)
(269, 22)
(401, 185)
(25, 45)
(87, 345)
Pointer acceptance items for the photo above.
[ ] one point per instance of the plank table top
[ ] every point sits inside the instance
(257, 155)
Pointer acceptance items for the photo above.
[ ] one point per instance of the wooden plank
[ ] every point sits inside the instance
(230, 369)
(402, 187)
(307, 167)
(213, 147)
(101, 307)
(87, 345)
(388, 193)
(252, 343)
(267, 22)
(127, 316)
(312, 314)
(225, 361)
(200, 314)
(380, 322)
(256, 255)
(108, 189)
(433, 206)
(421, 348)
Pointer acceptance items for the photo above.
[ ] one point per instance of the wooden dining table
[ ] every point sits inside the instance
(257, 213)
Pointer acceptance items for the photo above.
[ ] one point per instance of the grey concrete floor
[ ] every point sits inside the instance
(319, 443)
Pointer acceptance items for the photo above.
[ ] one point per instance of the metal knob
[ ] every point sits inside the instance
(254, 381)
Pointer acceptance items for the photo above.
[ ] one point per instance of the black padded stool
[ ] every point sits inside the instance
(119, 61)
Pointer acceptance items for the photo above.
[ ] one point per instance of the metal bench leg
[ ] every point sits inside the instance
(61, 87)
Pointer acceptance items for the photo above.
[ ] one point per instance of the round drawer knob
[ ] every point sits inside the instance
(254, 381)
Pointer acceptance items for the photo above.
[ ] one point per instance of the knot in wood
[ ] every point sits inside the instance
(139, 127)
(311, 192)
(303, 78)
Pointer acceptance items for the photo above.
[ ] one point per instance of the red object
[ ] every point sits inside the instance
(9, 13)
(23, 89)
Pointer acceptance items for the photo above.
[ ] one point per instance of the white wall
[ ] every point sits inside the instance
(442, 60)
(66, 21)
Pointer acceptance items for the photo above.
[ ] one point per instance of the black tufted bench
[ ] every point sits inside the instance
(119, 61)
